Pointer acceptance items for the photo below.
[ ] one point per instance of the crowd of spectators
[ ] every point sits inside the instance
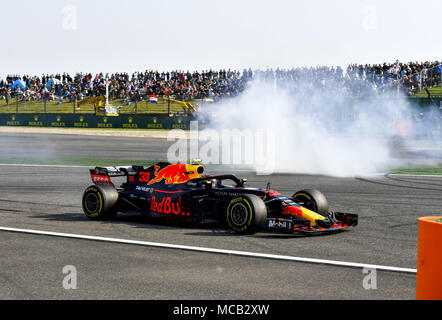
(356, 80)
(137, 86)
(408, 77)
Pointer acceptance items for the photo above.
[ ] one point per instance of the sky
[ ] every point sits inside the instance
(50, 36)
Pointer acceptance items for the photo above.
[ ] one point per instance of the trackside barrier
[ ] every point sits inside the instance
(429, 259)
(92, 121)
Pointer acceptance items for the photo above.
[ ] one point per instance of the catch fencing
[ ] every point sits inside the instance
(427, 78)
(23, 104)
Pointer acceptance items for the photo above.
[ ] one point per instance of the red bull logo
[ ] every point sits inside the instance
(165, 206)
(176, 173)
(293, 211)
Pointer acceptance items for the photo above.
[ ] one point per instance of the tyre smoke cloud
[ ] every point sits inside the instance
(18, 145)
(323, 133)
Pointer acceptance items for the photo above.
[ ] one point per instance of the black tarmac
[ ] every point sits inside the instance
(48, 198)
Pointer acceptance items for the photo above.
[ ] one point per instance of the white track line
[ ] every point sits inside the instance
(41, 165)
(377, 175)
(213, 250)
(415, 175)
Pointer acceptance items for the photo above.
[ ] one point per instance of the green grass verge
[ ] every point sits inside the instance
(90, 162)
(417, 170)
(435, 92)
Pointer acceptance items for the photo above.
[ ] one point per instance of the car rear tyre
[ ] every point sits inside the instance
(246, 214)
(313, 200)
(99, 202)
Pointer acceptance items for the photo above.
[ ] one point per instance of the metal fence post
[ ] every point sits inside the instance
(420, 80)
(168, 104)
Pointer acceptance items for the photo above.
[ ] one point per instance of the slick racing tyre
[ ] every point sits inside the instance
(246, 214)
(313, 200)
(99, 202)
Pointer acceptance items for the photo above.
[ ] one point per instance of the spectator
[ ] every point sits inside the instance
(356, 80)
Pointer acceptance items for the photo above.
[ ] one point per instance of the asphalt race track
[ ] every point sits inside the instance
(48, 198)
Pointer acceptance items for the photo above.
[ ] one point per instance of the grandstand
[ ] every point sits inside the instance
(58, 93)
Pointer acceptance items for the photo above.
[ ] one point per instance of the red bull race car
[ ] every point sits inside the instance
(183, 192)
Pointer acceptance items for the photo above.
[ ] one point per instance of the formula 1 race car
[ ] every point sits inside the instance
(181, 191)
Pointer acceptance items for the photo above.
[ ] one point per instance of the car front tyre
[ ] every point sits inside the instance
(246, 214)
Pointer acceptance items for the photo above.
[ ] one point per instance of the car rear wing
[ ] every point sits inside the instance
(102, 175)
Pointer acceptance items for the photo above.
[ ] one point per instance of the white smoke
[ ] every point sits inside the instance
(321, 133)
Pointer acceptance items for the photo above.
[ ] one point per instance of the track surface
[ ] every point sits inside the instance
(48, 198)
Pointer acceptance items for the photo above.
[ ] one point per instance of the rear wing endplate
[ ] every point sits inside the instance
(102, 175)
